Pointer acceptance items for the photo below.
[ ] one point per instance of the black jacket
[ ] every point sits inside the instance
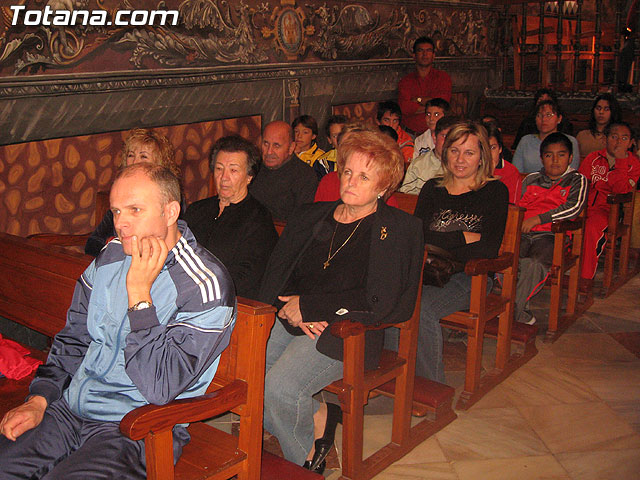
(242, 237)
(395, 260)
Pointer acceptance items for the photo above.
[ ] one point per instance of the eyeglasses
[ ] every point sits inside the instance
(615, 136)
(546, 115)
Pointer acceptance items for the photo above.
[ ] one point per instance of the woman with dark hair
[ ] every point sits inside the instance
(305, 131)
(353, 258)
(233, 225)
(528, 125)
(463, 212)
(604, 111)
(141, 145)
(505, 171)
(548, 117)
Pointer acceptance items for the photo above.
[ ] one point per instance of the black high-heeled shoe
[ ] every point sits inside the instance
(323, 444)
(320, 469)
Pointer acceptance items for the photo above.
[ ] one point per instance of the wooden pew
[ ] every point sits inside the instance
(621, 216)
(566, 265)
(397, 372)
(492, 307)
(36, 290)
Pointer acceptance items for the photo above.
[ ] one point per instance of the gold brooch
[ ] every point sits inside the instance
(383, 233)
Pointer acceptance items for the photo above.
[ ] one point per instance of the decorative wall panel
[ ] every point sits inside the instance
(49, 186)
(252, 32)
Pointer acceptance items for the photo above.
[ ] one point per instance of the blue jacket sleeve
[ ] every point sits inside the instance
(69, 345)
(165, 360)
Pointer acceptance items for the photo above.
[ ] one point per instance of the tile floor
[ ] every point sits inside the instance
(572, 412)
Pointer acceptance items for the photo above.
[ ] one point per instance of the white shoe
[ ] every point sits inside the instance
(531, 321)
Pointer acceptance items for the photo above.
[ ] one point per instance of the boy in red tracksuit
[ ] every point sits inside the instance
(611, 170)
(557, 192)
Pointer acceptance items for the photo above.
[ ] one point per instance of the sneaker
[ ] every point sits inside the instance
(526, 317)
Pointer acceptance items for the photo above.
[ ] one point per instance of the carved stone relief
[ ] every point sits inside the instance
(248, 32)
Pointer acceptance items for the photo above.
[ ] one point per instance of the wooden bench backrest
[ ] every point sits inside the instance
(37, 282)
(511, 238)
(248, 335)
(406, 202)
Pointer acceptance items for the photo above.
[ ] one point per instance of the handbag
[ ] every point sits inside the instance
(439, 267)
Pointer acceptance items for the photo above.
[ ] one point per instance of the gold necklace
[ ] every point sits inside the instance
(331, 255)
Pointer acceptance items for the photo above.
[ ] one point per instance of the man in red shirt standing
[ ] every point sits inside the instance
(420, 86)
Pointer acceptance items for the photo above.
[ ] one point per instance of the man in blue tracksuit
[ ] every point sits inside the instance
(147, 323)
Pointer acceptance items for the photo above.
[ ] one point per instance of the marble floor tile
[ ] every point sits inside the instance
(591, 348)
(585, 324)
(428, 471)
(489, 433)
(580, 427)
(496, 398)
(523, 468)
(617, 381)
(611, 323)
(629, 340)
(628, 411)
(428, 451)
(545, 386)
(224, 422)
(602, 465)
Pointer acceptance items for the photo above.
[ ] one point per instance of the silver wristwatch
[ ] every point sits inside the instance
(140, 306)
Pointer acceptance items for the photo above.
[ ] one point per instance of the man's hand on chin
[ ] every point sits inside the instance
(23, 418)
(147, 259)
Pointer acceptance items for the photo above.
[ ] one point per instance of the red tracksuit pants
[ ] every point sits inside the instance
(594, 239)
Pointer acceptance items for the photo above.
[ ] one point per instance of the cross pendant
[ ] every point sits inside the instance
(326, 264)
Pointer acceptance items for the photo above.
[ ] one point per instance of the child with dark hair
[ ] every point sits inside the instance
(505, 171)
(548, 118)
(435, 109)
(305, 132)
(428, 165)
(528, 125)
(327, 162)
(614, 169)
(557, 192)
(389, 114)
(604, 111)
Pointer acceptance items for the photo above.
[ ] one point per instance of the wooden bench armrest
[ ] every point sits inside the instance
(349, 328)
(613, 198)
(156, 418)
(63, 240)
(567, 225)
(482, 266)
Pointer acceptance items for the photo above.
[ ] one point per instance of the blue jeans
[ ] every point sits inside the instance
(295, 371)
(436, 303)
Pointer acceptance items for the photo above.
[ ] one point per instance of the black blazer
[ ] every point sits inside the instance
(242, 238)
(395, 260)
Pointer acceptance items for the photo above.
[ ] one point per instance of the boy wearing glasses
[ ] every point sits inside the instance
(613, 169)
